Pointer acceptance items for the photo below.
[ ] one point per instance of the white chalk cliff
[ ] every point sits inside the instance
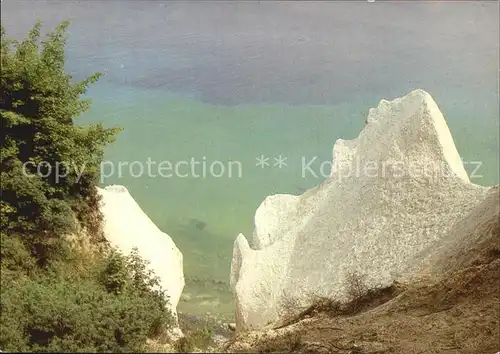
(127, 226)
(394, 192)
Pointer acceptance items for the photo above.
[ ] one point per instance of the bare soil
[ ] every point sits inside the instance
(454, 309)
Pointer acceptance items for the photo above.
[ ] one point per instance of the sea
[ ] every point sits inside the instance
(223, 103)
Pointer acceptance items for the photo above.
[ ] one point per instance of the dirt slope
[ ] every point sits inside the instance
(454, 308)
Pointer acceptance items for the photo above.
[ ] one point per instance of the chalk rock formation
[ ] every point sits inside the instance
(127, 226)
(393, 193)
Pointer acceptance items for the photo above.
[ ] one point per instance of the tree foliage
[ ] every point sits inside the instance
(63, 311)
(42, 149)
(49, 302)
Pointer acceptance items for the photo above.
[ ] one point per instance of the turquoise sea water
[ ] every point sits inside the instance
(223, 83)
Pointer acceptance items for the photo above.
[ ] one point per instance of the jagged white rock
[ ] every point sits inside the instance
(127, 226)
(392, 193)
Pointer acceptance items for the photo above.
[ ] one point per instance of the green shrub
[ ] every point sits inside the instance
(38, 105)
(54, 298)
(130, 274)
(199, 339)
(62, 313)
(14, 255)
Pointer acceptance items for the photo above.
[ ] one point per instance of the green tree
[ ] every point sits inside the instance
(38, 105)
(54, 297)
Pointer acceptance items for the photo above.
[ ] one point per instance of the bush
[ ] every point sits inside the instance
(357, 289)
(64, 313)
(130, 275)
(38, 104)
(54, 298)
(199, 339)
(360, 297)
(15, 256)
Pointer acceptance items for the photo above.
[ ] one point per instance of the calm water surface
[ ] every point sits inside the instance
(223, 83)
